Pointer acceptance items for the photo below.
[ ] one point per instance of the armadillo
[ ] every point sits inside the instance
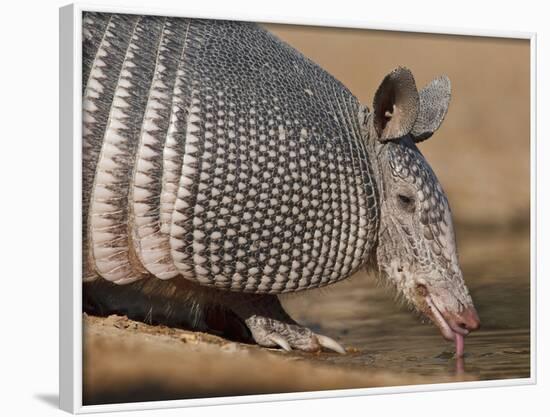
(222, 168)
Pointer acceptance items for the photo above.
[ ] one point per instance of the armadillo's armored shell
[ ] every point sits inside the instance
(217, 153)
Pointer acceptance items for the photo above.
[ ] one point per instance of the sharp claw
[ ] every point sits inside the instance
(280, 341)
(331, 344)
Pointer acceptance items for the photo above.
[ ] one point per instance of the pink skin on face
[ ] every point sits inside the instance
(454, 328)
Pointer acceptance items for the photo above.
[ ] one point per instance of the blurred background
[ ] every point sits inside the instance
(481, 155)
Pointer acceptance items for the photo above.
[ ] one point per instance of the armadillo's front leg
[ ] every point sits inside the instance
(271, 326)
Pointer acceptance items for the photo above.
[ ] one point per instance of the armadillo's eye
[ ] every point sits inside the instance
(406, 202)
(421, 290)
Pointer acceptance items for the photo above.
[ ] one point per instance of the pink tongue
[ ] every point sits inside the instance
(459, 341)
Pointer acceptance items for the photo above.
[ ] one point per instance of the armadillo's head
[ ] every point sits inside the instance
(416, 246)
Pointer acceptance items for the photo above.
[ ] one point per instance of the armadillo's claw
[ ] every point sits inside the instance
(331, 344)
(280, 341)
(269, 332)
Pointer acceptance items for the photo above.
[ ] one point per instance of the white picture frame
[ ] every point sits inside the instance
(70, 291)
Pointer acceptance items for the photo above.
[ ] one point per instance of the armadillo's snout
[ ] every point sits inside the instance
(468, 319)
(461, 324)
(452, 323)
(464, 321)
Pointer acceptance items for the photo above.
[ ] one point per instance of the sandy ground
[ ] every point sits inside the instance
(131, 361)
(480, 154)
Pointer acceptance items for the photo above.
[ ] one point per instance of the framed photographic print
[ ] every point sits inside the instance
(261, 210)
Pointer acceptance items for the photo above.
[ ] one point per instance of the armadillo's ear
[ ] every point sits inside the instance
(395, 105)
(434, 102)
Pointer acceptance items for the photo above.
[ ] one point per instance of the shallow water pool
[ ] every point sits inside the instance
(364, 315)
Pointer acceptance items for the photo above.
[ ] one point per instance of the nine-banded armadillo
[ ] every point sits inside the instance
(221, 167)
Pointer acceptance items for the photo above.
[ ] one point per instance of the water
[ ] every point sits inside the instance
(364, 315)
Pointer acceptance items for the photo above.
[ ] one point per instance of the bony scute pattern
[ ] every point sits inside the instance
(237, 164)
(151, 244)
(407, 164)
(110, 215)
(101, 70)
